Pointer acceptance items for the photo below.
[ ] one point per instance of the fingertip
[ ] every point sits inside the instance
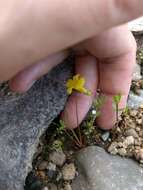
(20, 85)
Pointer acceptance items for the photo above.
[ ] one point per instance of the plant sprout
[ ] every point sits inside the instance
(116, 101)
(98, 103)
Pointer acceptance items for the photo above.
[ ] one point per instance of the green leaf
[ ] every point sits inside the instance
(98, 103)
(117, 98)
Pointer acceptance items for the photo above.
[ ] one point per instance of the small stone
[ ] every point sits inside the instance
(139, 121)
(131, 132)
(133, 113)
(69, 171)
(45, 188)
(136, 26)
(122, 151)
(138, 129)
(59, 176)
(120, 145)
(105, 136)
(94, 112)
(57, 158)
(41, 174)
(138, 142)
(129, 141)
(52, 186)
(113, 148)
(42, 166)
(51, 170)
(67, 187)
(51, 166)
(139, 154)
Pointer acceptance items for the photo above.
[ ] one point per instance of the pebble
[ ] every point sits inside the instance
(51, 166)
(133, 113)
(52, 186)
(113, 148)
(59, 176)
(94, 112)
(139, 154)
(57, 158)
(41, 174)
(122, 152)
(67, 187)
(131, 132)
(51, 170)
(139, 121)
(45, 188)
(43, 165)
(69, 171)
(136, 26)
(129, 141)
(105, 136)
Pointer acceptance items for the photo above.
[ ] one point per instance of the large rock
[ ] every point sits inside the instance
(23, 119)
(100, 171)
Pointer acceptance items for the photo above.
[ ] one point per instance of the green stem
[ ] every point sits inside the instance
(117, 113)
(79, 129)
(75, 136)
(72, 139)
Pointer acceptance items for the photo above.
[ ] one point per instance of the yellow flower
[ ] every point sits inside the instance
(77, 83)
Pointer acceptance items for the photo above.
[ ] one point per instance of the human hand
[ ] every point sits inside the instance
(32, 30)
(106, 62)
(34, 44)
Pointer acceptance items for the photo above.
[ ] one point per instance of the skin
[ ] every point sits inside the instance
(30, 47)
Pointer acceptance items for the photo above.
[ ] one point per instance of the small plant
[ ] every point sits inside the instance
(98, 103)
(116, 101)
(57, 145)
(70, 133)
(88, 126)
(126, 110)
(60, 127)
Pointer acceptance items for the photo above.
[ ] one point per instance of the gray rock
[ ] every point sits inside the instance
(99, 170)
(57, 158)
(23, 119)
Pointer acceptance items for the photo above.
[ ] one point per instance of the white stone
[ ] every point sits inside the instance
(136, 26)
(129, 141)
(93, 112)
